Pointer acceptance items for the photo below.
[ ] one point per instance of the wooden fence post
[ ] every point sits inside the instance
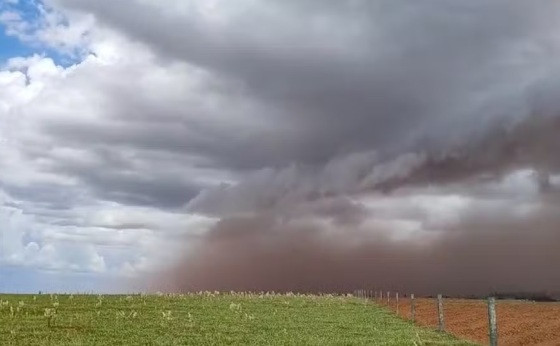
(381, 296)
(440, 313)
(492, 325)
(388, 298)
(397, 301)
(412, 308)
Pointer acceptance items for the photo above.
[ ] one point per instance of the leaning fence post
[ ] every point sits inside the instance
(440, 313)
(412, 308)
(492, 325)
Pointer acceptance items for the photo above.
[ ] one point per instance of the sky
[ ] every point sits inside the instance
(219, 144)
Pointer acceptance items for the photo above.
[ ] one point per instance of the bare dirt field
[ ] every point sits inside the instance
(519, 322)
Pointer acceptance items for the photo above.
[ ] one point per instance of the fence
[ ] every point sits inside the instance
(399, 302)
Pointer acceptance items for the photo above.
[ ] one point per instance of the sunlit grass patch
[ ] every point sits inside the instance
(205, 318)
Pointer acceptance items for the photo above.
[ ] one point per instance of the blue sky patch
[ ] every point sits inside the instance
(11, 46)
(30, 280)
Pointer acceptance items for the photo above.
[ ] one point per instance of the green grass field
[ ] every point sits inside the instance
(205, 319)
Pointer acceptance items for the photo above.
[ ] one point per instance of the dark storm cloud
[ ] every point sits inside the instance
(99, 168)
(49, 196)
(112, 178)
(220, 148)
(144, 191)
(270, 188)
(328, 81)
(531, 143)
(352, 76)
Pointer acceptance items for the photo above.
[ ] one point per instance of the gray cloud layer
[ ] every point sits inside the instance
(290, 110)
(354, 76)
(326, 82)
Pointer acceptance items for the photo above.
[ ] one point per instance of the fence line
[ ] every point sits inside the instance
(439, 301)
(412, 308)
(492, 325)
(441, 321)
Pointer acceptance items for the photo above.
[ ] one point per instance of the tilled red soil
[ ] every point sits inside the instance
(519, 322)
